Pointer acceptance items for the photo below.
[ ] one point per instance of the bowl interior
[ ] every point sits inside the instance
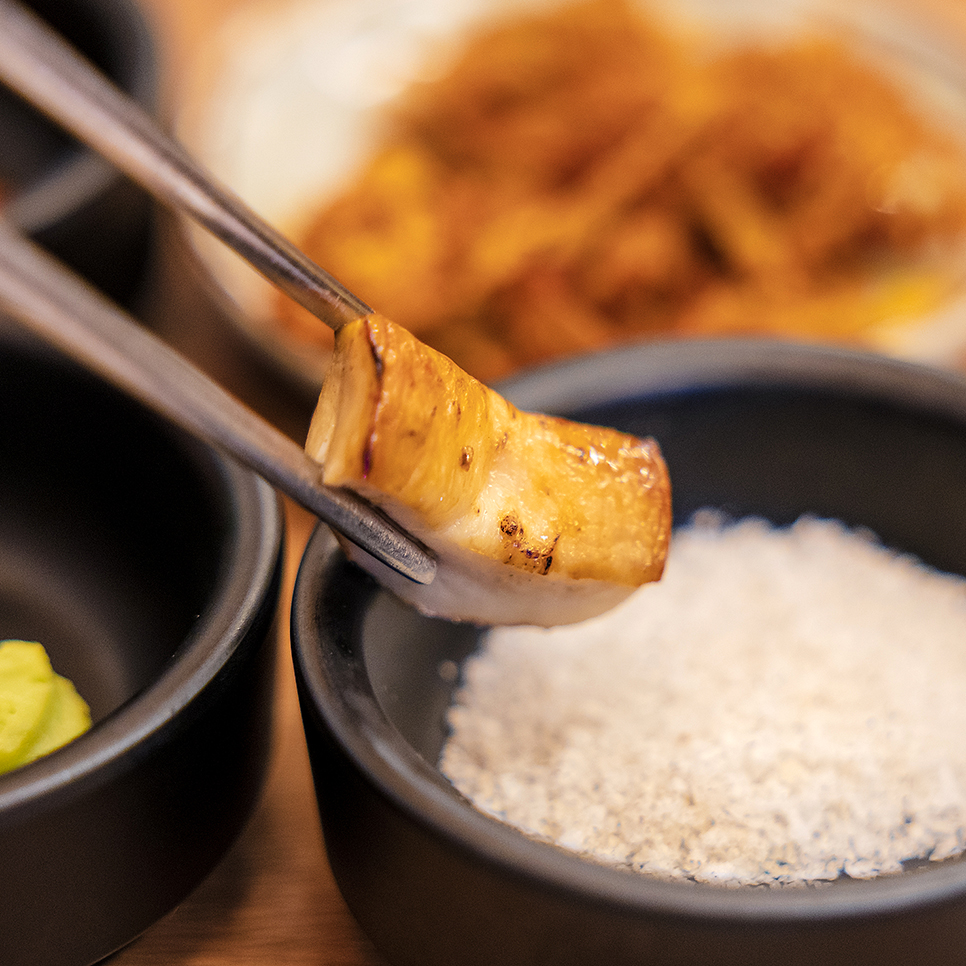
(111, 531)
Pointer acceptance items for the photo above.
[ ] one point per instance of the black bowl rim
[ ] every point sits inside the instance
(84, 175)
(246, 578)
(357, 723)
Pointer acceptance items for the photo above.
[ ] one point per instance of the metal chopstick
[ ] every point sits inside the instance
(44, 69)
(58, 306)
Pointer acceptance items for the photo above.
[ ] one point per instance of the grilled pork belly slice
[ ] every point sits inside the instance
(533, 519)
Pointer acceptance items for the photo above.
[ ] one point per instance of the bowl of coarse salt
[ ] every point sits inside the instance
(758, 759)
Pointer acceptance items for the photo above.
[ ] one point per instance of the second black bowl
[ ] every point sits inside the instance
(149, 567)
(761, 428)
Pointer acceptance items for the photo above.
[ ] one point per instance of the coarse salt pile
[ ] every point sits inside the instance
(784, 706)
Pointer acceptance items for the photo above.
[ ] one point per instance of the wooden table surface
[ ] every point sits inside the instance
(272, 901)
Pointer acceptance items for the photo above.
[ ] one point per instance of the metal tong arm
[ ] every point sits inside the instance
(66, 312)
(44, 69)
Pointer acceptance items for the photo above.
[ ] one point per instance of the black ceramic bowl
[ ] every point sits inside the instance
(755, 427)
(148, 566)
(63, 194)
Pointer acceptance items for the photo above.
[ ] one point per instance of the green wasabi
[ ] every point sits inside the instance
(40, 710)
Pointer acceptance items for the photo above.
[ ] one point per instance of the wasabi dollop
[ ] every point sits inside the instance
(40, 710)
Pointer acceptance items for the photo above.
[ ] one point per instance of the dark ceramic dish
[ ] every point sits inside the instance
(60, 192)
(148, 566)
(750, 427)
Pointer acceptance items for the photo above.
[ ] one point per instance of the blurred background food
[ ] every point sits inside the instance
(569, 176)
(588, 175)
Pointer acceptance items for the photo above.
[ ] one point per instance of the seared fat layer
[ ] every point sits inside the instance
(534, 518)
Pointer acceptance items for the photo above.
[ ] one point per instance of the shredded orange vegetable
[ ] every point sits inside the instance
(588, 176)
